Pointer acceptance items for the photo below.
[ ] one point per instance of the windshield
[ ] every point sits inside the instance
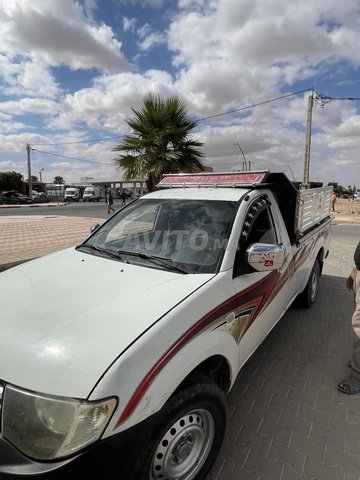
(188, 234)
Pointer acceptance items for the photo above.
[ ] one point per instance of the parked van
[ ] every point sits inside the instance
(72, 194)
(91, 194)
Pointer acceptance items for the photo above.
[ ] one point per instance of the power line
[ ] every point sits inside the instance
(81, 141)
(321, 98)
(256, 104)
(70, 158)
(200, 120)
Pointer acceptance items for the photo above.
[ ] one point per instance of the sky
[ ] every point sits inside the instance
(72, 71)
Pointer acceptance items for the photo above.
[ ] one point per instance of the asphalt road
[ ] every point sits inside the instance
(341, 232)
(76, 209)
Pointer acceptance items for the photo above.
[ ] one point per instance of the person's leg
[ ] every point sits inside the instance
(355, 361)
(352, 383)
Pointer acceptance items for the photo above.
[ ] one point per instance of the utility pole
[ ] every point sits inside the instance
(28, 150)
(308, 142)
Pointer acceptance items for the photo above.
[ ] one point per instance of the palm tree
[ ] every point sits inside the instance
(59, 180)
(160, 142)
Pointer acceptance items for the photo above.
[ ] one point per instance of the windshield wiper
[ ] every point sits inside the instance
(103, 251)
(166, 262)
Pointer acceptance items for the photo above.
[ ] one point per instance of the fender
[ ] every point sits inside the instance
(156, 392)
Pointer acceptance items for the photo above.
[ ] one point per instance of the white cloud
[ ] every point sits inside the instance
(129, 24)
(143, 3)
(56, 33)
(151, 40)
(40, 106)
(109, 102)
(259, 45)
(31, 79)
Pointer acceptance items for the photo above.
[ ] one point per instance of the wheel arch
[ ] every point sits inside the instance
(321, 258)
(216, 368)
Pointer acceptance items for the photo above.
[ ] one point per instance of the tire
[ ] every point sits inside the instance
(187, 437)
(308, 297)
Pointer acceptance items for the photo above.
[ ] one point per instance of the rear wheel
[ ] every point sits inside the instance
(187, 438)
(308, 297)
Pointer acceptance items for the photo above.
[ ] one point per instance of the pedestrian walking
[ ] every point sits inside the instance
(109, 200)
(333, 202)
(123, 196)
(352, 383)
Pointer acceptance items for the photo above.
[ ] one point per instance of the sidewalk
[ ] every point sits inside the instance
(23, 238)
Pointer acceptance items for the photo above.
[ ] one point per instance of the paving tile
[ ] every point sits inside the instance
(298, 394)
(290, 456)
(351, 476)
(353, 444)
(327, 436)
(281, 434)
(350, 463)
(299, 424)
(263, 466)
(323, 404)
(290, 474)
(314, 469)
(308, 445)
(318, 417)
(228, 469)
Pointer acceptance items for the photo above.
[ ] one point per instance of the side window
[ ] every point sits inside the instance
(258, 228)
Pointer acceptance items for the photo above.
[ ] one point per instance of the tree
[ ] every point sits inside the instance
(10, 181)
(59, 180)
(160, 142)
(33, 178)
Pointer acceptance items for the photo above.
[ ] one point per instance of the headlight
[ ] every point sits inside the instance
(46, 428)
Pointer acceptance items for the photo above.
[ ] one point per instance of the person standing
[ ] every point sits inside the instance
(123, 197)
(333, 201)
(352, 383)
(109, 200)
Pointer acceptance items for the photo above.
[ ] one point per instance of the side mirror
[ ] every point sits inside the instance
(264, 257)
(94, 227)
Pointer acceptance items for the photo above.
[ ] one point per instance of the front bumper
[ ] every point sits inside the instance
(112, 457)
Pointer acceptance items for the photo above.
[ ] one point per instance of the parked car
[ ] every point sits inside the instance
(39, 197)
(13, 198)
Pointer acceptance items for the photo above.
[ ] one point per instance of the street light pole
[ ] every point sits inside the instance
(241, 150)
(40, 175)
(28, 150)
(292, 173)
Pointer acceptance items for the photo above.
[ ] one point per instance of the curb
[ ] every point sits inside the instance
(33, 206)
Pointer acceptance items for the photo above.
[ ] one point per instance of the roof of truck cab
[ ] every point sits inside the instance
(199, 193)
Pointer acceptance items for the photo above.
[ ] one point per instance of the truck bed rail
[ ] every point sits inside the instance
(313, 206)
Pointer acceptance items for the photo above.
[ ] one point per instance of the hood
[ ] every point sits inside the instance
(66, 316)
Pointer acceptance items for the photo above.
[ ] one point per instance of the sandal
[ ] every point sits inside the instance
(349, 386)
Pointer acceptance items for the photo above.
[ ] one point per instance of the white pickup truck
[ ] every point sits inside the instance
(118, 354)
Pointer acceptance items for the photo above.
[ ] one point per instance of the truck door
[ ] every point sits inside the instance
(262, 297)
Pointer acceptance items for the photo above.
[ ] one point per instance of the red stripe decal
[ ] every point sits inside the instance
(259, 292)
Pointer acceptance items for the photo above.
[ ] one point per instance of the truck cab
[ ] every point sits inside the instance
(72, 194)
(91, 194)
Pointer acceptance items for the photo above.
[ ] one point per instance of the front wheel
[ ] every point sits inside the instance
(308, 297)
(188, 436)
